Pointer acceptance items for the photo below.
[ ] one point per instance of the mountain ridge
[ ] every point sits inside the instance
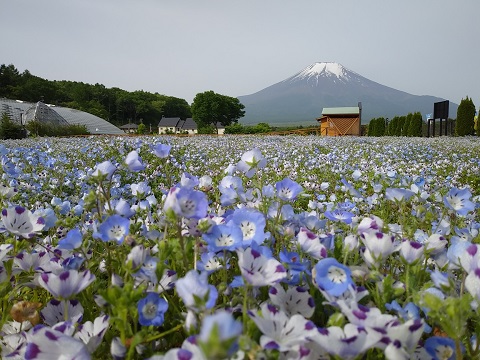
(300, 98)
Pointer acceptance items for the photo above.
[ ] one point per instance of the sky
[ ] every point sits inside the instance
(238, 47)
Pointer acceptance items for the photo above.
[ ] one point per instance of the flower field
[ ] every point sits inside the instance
(241, 247)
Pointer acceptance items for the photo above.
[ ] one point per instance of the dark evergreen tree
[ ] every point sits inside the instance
(380, 127)
(465, 118)
(416, 125)
(371, 127)
(392, 126)
(406, 125)
(400, 125)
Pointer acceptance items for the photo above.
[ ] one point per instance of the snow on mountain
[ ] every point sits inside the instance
(322, 69)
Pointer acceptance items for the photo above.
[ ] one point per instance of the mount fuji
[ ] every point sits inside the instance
(299, 99)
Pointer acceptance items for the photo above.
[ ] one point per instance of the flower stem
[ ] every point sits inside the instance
(165, 333)
(245, 304)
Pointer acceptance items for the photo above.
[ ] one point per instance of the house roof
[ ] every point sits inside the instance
(129, 126)
(168, 122)
(352, 110)
(189, 124)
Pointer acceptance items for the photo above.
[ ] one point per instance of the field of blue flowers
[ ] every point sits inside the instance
(240, 247)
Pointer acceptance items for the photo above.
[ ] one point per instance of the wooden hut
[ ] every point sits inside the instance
(340, 121)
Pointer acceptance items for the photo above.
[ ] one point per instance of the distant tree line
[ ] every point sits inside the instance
(115, 105)
(260, 128)
(410, 125)
(413, 125)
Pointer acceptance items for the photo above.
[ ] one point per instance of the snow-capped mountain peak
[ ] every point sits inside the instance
(321, 69)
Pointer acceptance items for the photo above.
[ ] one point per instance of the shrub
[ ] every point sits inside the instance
(11, 130)
(38, 128)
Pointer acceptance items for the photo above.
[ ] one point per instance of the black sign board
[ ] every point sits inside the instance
(440, 110)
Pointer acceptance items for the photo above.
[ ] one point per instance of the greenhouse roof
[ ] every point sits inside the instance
(95, 125)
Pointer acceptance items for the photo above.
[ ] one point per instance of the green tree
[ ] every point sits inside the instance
(380, 127)
(392, 125)
(400, 125)
(415, 128)
(372, 127)
(175, 107)
(235, 128)
(262, 128)
(142, 129)
(406, 125)
(10, 79)
(210, 109)
(465, 118)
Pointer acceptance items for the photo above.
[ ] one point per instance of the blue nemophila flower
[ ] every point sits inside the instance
(287, 189)
(140, 189)
(295, 265)
(220, 329)
(161, 150)
(409, 311)
(252, 224)
(259, 269)
(73, 262)
(186, 202)
(44, 343)
(347, 205)
(250, 162)
(151, 310)
(398, 194)
(210, 262)
(281, 332)
(66, 284)
(459, 254)
(351, 189)
(195, 290)
(188, 181)
(104, 169)
(332, 277)
(231, 189)
(22, 222)
(440, 348)
(224, 237)
(134, 162)
(73, 240)
(114, 228)
(339, 215)
(123, 208)
(48, 215)
(458, 200)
